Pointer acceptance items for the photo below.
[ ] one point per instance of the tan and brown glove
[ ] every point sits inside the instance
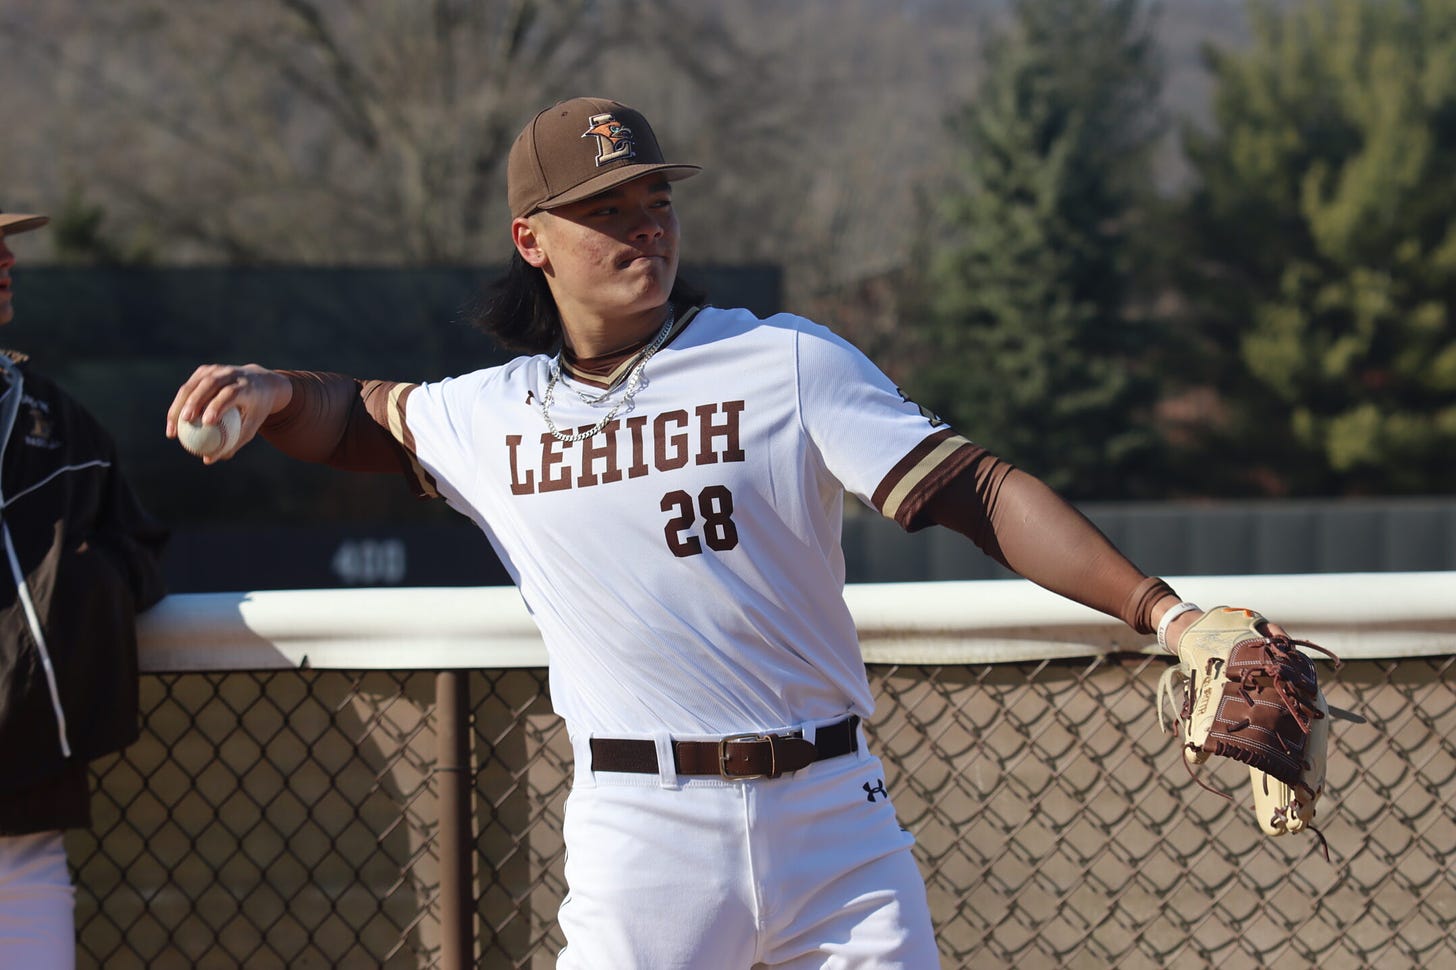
(1253, 697)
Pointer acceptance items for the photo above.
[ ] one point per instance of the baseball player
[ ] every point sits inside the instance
(664, 481)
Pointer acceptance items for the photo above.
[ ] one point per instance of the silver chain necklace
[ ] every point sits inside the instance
(633, 384)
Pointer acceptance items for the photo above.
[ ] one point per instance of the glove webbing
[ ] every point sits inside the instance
(1289, 680)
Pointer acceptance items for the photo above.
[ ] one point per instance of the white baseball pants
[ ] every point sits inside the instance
(807, 872)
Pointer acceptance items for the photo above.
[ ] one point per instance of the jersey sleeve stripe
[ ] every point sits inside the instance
(399, 428)
(916, 476)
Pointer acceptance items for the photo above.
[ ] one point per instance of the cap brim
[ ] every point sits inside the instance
(13, 222)
(614, 178)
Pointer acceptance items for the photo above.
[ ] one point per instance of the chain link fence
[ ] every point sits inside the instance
(290, 819)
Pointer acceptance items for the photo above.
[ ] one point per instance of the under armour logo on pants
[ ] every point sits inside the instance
(878, 789)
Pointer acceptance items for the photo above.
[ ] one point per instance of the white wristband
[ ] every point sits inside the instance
(1173, 613)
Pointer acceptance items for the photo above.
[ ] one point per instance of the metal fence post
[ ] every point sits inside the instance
(457, 852)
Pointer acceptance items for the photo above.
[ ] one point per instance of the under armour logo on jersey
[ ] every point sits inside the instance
(878, 789)
(614, 139)
(529, 396)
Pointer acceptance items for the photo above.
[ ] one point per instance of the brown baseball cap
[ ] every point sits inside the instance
(13, 222)
(576, 149)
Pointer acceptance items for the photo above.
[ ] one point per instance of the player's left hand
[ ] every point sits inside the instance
(1250, 694)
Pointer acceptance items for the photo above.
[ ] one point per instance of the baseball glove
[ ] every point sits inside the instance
(1253, 697)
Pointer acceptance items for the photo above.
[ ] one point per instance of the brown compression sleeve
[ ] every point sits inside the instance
(327, 421)
(1022, 524)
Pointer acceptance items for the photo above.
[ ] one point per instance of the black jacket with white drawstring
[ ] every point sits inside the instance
(80, 558)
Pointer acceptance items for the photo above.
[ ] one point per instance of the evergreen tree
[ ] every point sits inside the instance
(1324, 235)
(1026, 300)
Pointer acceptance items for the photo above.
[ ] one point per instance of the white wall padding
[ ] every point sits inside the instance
(1357, 615)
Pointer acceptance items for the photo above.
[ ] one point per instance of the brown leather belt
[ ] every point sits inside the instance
(739, 757)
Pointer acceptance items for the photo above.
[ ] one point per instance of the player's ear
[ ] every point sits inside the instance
(528, 242)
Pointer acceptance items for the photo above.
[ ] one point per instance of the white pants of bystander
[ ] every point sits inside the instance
(37, 903)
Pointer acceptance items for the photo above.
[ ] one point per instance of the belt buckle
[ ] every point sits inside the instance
(773, 756)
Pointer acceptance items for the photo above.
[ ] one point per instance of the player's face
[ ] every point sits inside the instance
(7, 260)
(613, 256)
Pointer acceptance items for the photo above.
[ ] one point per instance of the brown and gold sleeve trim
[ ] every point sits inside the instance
(917, 476)
(385, 402)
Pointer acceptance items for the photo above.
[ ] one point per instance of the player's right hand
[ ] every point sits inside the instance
(213, 388)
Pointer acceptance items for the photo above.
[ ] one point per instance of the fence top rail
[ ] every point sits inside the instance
(1357, 615)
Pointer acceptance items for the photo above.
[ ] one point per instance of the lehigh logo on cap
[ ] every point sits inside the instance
(614, 139)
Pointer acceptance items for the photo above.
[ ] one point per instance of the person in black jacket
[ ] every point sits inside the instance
(80, 559)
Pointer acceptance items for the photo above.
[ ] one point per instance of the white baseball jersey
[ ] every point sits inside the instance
(684, 562)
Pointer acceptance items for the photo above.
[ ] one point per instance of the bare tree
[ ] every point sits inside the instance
(328, 131)
(322, 130)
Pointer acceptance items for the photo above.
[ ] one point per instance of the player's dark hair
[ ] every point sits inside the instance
(519, 313)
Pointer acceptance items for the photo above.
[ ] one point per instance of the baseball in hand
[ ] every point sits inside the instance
(207, 440)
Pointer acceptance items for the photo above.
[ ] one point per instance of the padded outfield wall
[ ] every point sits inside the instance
(288, 804)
